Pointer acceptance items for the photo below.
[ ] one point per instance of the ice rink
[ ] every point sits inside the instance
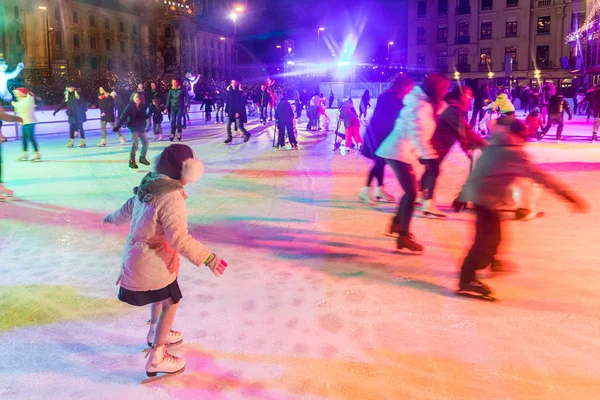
(315, 303)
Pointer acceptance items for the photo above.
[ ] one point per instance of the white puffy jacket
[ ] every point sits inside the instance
(411, 137)
(25, 108)
(158, 235)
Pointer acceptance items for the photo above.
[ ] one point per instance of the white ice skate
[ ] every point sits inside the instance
(23, 156)
(102, 143)
(160, 361)
(5, 191)
(36, 157)
(382, 195)
(363, 194)
(175, 337)
(344, 150)
(429, 209)
(122, 140)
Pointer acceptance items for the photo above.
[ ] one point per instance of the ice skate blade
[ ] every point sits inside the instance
(434, 215)
(153, 376)
(475, 296)
(168, 345)
(407, 251)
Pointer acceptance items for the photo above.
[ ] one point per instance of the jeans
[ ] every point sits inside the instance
(262, 113)
(477, 112)
(282, 126)
(377, 171)
(487, 240)
(429, 178)
(76, 127)
(103, 127)
(220, 113)
(136, 135)
(406, 177)
(207, 116)
(29, 136)
(298, 109)
(558, 118)
(157, 129)
(238, 123)
(176, 120)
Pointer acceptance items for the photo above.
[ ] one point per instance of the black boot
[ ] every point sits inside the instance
(594, 137)
(246, 137)
(144, 161)
(228, 140)
(407, 241)
(179, 136)
(132, 164)
(172, 136)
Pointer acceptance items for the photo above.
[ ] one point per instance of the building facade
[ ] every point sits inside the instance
(147, 37)
(499, 39)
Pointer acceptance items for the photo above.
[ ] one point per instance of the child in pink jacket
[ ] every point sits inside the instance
(151, 258)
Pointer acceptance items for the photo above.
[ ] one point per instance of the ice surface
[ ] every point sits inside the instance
(315, 304)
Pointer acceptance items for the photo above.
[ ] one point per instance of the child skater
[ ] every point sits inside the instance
(284, 115)
(351, 126)
(207, 103)
(155, 115)
(4, 191)
(534, 122)
(151, 258)
(24, 108)
(501, 163)
(324, 119)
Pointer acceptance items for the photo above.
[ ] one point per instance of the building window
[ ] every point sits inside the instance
(485, 56)
(442, 35)
(109, 65)
(442, 59)
(16, 9)
(94, 62)
(513, 53)
(92, 20)
(121, 26)
(512, 3)
(76, 40)
(122, 46)
(421, 9)
(486, 30)
(543, 26)
(542, 56)
(167, 33)
(78, 62)
(107, 23)
(134, 29)
(420, 60)
(462, 58)
(93, 42)
(463, 7)
(463, 29)
(123, 64)
(511, 28)
(442, 7)
(75, 17)
(420, 35)
(108, 45)
(18, 40)
(487, 5)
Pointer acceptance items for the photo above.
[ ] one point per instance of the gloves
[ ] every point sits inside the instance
(116, 129)
(54, 114)
(108, 219)
(216, 264)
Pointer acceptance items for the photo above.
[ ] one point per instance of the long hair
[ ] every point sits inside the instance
(435, 86)
(366, 97)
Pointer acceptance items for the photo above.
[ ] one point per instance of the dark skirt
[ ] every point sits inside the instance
(143, 298)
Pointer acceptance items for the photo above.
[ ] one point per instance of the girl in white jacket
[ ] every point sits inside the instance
(158, 235)
(24, 108)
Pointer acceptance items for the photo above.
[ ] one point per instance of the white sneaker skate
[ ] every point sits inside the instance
(175, 337)
(363, 194)
(36, 156)
(382, 195)
(344, 150)
(102, 143)
(23, 156)
(5, 191)
(160, 361)
(429, 209)
(122, 140)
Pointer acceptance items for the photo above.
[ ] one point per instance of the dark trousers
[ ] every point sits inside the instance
(406, 177)
(558, 118)
(526, 106)
(220, 113)
(207, 115)
(298, 109)
(377, 171)
(238, 123)
(263, 113)
(477, 111)
(76, 127)
(429, 177)
(282, 127)
(485, 246)
(29, 136)
(176, 120)
(136, 136)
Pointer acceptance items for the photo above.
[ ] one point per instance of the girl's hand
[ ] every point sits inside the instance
(216, 264)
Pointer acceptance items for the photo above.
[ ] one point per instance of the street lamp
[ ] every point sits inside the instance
(490, 75)
(537, 74)
(319, 37)
(457, 75)
(234, 16)
(388, 52)
(45, 10)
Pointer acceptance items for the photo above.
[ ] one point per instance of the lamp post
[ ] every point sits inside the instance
(319, 37)
(388, 52)
(537, 74)
(45, 10)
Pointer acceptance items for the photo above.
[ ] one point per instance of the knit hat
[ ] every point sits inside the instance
(22, 90)
(179, 162)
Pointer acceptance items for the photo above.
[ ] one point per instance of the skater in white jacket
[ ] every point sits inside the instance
(24, 108)
(409, 143)
(151, 258)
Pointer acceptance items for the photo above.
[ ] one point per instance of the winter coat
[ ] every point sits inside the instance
(283, 112)
(594, 99)
(349, 116)
(134, 116)
(207, 104)
(411, 137)
(25, 108)
(7, 117)
(452, 126)
(106, 104)
(365, 103)
(315, 101)
(76, 108)
(382, 122)
(558, 104)
(177, 98)
(534, 122)
(500, 164)
(264, 98)
(236, 104)
(219, 100)
(158, 234)
(153, 94)
(503, 104)
(156, 113)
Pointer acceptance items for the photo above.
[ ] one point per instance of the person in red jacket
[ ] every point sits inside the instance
(534, 121)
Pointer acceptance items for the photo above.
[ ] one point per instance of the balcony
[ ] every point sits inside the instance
(442, 69)
(462, 40)
(512, 3)
(514, 66)
(463, 67)
(485, 67)
(463, 10)
(510, 34)
(544, 3)
(442, 40)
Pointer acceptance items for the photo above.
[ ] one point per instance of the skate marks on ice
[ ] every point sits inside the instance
(158, 377)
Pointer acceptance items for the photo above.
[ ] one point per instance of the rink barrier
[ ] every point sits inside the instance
(47, 124)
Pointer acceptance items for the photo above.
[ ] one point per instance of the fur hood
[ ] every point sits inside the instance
(154, 186)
